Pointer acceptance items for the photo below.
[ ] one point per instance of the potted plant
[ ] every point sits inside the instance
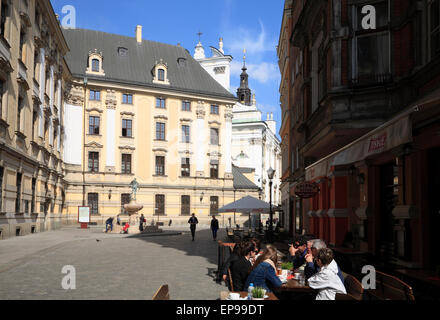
(258, 293)
(287, 266)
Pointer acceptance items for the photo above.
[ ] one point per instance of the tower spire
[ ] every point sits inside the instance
(244, 93)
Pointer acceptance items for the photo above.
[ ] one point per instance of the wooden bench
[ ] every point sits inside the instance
(389, 287)
(162, 293)
(354, 289)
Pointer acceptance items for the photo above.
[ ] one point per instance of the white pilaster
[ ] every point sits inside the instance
(42, 91)
(201, 139)
(110, 160)
(228, 141)
(60, 89)
(51, 95)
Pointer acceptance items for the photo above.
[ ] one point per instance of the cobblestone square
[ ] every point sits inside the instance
(115, 267)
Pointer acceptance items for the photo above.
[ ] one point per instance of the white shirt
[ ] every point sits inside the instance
(328, 282)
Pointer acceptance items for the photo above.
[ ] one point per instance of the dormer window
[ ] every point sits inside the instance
(160, 73)
(95, 63)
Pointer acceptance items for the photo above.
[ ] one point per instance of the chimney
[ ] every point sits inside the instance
(139, 34)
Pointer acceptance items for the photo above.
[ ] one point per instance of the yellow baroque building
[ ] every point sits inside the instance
(146, 110)
(33, 73)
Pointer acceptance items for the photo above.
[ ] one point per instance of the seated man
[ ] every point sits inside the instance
(312, 267)
(241, 267)
(298, 252)
(326, 280)
(108, 223)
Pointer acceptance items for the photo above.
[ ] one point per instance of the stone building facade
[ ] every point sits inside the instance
(146, 110)
(33, 73)
(364, 126)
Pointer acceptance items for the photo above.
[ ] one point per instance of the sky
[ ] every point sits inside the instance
(243, 24)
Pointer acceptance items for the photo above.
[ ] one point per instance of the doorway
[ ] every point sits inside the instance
(434, 205)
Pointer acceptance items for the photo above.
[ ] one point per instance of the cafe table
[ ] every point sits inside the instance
(244, 294)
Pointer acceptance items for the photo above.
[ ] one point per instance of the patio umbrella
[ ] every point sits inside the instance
(248, 205)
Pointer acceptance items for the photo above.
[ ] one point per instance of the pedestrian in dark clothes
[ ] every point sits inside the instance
(214, 227)
(193, 224)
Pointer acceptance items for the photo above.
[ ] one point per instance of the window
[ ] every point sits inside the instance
(434, 9)
(95, 65)
(372, 47)
(214, 206)
(18, 196)
(160, 205)
(126, 164)
(214, 169)
(161, 74)
(34, 184)
(2, 170)
(127, 128)
(186, 167)
(185, 134)
(214, 109)
(95, 95)
(160, 131)
(19, 111)
(125, 199)
(22, 43)
(185, 205)
(160, 103)
(93, 161)
(127, 98)
(2, 91)
(93, 203)
(160, 166)
(4, 15)
(186, 106)
(214, 136)
(94, 125)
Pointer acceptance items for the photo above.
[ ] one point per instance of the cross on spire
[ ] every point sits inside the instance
(199, 34)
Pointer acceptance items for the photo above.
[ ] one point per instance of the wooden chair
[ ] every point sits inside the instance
(162, 293)
(231, 285)
(354, 288)
(389, 287)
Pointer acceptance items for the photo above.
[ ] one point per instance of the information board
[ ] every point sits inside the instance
(84, 214)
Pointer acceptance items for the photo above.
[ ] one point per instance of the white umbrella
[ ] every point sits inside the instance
(248, 205)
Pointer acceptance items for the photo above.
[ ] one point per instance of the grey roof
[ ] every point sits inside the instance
(136, 67)
(240, 181)
(246, 205)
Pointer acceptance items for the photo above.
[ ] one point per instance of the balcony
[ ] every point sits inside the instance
(371, 80)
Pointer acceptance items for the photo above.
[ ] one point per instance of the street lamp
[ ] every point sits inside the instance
(270, 174)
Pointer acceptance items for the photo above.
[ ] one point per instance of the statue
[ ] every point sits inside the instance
(134, 187)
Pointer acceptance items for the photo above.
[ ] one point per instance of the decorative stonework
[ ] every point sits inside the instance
(229, 115)
(95, 54)
(94, 110)
(200, 111)
(127, 148)
(110, 100)
(160, 66)
(74, 95)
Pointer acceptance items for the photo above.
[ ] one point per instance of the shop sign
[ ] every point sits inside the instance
(306, 190)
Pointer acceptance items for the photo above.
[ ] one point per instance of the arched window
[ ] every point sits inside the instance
(95, 65)
(161, 74)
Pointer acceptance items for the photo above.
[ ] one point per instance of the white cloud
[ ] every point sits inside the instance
(253, 43)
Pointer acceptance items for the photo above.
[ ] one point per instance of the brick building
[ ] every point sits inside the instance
(361, 119)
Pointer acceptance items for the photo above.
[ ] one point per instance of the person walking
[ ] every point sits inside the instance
(118, 220)
(141, 223)
(214, 227)
(193, 224)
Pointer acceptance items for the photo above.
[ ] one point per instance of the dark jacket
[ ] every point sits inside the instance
(263, 276)
(193, 221)
(233, 257)
(240, 270)
(214, 224)
(109, 221)
(298, 259)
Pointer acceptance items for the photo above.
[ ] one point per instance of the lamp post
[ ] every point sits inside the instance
(270, 174)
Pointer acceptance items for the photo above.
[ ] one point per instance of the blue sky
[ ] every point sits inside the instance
(254, 25)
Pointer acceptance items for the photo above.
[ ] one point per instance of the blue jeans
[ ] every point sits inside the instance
(214, 233)
(106, 227)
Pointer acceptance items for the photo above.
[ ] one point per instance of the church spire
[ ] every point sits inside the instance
(244, 93)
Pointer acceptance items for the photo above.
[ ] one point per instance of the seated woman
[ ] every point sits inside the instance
(241, 267)
(263, 272)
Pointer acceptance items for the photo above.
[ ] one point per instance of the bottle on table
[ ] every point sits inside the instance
(251, 287)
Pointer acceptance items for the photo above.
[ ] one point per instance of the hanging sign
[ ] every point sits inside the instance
(306, 190)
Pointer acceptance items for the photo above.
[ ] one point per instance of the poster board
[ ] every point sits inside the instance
(83, 214)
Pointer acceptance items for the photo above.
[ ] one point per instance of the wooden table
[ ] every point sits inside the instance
(294, 285)
(244, 294)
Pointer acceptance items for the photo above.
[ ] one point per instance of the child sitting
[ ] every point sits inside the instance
(326, 280)
(125, 228)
